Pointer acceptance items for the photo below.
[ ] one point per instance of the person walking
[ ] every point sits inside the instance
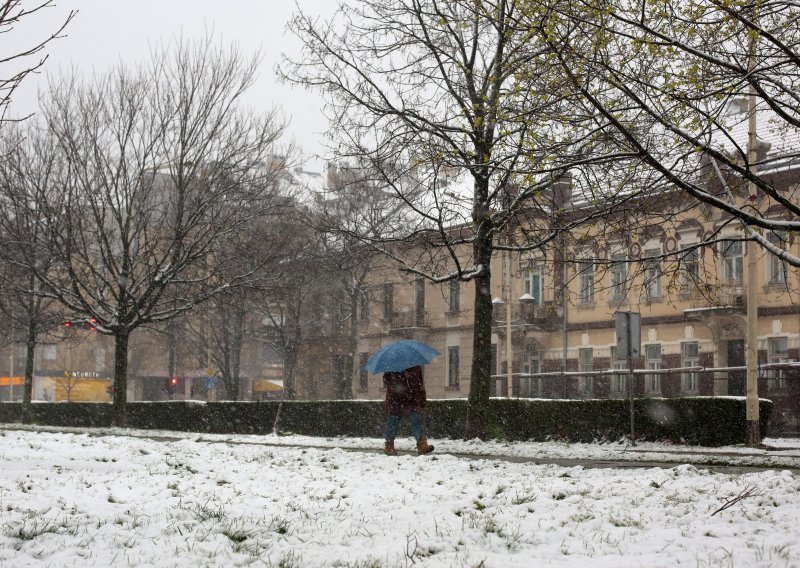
(405, 396)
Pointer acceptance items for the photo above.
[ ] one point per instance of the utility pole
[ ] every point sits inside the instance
(11, 372)
(509, 349)
(751, 249)
(628, 329)
(11, 366)
(565, 322)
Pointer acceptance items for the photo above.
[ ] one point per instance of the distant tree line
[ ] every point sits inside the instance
(134, 197)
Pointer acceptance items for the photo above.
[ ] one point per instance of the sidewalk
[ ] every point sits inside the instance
(775, 454)
(716, 462)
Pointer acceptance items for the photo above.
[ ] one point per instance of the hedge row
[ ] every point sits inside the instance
(701, 420)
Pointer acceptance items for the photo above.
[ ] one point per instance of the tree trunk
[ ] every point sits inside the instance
(120, 376)
(171, 350)
(478, 403)
(345, 387)
(289, 366)
(236, 354)
(27, 394)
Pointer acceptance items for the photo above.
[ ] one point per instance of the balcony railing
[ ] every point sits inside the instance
(408, 320)
(529, 313)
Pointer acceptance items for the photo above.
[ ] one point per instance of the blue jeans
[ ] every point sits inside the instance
(393, 423)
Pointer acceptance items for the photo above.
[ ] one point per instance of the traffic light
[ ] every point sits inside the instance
(90, 324)
(172, 385)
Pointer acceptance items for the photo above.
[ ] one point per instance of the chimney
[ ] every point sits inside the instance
(562, 191)
(762, 148)
(332, 177)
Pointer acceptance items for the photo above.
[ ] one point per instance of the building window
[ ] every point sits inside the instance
(533, 281)
(388, 301)
(652, 273)
(419, 312)
(454, 304)
(619, 381)
(776, 268)
(531, 365)
(586, 281)
(99, 359)
(362, 371)
(690, 357)
(452, 367)
(586, 365)
(653, 362)
(619, 276)
(733, 263)
(689, 268)
(363, 298)
(50, 352)
(778, 352)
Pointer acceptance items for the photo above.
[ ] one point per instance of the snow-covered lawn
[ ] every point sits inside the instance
(71, 499)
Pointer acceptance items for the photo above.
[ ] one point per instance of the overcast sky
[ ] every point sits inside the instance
(107, 31)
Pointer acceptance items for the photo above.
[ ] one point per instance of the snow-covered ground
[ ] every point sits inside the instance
(68, 498)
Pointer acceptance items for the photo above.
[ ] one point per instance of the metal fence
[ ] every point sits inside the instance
(768, 371)
(558, 384)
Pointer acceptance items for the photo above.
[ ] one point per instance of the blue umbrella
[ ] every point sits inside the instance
(400, 355)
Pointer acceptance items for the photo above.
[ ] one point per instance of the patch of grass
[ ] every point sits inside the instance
(280, 525)
(235, 535)
(204, 512)
(581, 517)
(492, 527)
(624, 522)
(366, 563)
(290, 559)
(522, 498)
(32, 528)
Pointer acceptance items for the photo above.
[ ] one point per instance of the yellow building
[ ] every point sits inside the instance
(680, 265)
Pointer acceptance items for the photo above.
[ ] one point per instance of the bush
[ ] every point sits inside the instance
(706, 421)
(703, 421)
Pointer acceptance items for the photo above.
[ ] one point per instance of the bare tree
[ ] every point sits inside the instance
(706, 95)
(289, 313)
(679, 82)
(28, 174)
(233, 318)
(426, 93)
(17, 64)
(217, 334)
(355, 205)
(159, 168)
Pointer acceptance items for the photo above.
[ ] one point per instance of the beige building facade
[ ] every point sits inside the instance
(681, 267)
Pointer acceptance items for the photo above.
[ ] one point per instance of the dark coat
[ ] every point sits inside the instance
(405, 391)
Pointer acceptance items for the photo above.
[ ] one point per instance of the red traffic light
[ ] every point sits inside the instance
(173, 380)
(67, 323)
